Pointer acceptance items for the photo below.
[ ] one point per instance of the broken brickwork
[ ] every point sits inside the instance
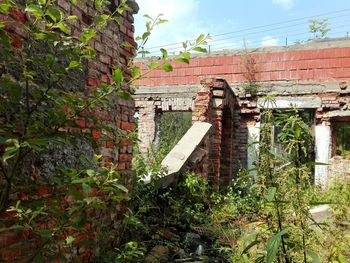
(213, 104)
(149, 109)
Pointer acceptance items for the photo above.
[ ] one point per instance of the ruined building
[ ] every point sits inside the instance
(227, 88)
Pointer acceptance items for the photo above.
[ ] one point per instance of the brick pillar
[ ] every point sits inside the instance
(209, 107)
(147, 127)
(246, 130)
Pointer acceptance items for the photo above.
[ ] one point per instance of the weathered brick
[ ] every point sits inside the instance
(10, 255)
(93, 82)
(127, 126)
(125, 157)
(96, 134)
(18, 15)
(105, 59)
(121, 165)
(16, 41)
(99, 47)
(64, 4)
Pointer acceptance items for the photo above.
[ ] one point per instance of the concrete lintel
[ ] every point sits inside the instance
(304, 102)
(337, 113)
(179, 155)
(145, 90)
(285, 88)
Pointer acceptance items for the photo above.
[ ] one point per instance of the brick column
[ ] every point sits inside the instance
(209, 107)
(146, 125)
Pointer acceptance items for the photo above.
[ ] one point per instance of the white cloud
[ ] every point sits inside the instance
(186, 22)
(269, 41)
(169, 8)
(285, 4)
(183, 21)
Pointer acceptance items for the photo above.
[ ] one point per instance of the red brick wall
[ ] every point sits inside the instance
(314, 65)
(110, 52)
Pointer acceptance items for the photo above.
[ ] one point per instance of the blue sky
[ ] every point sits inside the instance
(189, 18)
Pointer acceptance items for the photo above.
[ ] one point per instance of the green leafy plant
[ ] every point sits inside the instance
(283, 179)
(319, 28)
(131, 253)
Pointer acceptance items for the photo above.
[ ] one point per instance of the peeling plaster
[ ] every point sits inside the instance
(253, 146)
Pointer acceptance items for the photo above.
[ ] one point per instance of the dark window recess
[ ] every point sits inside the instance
(342, 138)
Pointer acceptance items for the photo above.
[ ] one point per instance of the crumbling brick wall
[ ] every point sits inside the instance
(320, 69)
(246, 114)
(149, 110)
(110, 52)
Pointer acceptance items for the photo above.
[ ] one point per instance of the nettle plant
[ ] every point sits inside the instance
(37, 106)
(284, 183)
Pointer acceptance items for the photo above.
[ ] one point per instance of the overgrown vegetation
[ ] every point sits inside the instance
(263, 218)
(94, 208)
(172, 126)
(319, 29)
